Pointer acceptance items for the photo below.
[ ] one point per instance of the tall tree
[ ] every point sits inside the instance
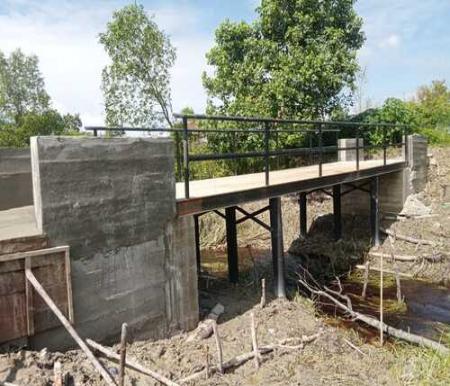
(136, 83)
(22, 87)
(295, 60)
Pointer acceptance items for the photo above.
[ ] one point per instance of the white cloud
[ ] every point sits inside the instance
(64, 36)
(391, 41)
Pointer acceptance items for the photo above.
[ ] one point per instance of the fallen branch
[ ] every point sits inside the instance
(375, 269)
(406, 238)
(41, 291)
(130, 363)
(400, 334)
(366, 279)
(57, 374)
(254, 340)
(123, 353)
(406, 258)
(205, 328)
(354, 347)
(240, 359)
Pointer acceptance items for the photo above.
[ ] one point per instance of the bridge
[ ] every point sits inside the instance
(340, 172)
(119, 216)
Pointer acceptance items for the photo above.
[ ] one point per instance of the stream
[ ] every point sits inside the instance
(425, 309)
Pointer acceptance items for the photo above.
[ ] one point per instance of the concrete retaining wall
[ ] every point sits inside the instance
(15, 178)
(113, 202)
(394, 187)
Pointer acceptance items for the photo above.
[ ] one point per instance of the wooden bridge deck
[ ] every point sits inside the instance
(221, 192)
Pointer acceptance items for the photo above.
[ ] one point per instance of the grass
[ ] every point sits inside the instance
(419, 366)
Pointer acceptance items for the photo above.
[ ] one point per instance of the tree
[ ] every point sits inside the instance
(433, 105)
(294, 61)
(136, 83)
(22, 87)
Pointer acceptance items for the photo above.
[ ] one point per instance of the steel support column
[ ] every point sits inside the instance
(197, 242)
(303, 211)
(337, 211)
(232, 246)
(375, 211)
(276, 226)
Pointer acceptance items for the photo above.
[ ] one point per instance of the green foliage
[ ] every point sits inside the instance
(25, 108)
(49, 122)
(293, 61)
(22, 88)
(136, 84)
(427, 114)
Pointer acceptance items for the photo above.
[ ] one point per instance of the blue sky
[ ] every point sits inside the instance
(408, 44)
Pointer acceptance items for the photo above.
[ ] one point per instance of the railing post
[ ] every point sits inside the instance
(405, 140)
(95, 133)
(178, 156)
(357, 148)
(311, 160)
(384, 145)
(197, 243)
(320, 150)
(186, 157)
(266, 152)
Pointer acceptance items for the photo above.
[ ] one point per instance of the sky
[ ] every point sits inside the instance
(407, 45)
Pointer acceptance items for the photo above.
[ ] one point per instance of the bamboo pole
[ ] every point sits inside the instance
(263, 293)
(123, 353)
(41, 291)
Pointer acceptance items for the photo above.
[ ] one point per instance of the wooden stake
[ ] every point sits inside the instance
(254, 341)
(263, 293)
(57, 372)
(366, 279)
(41, 291)
(123, 352)
(219, 348)
(381, 302)
(130, 363)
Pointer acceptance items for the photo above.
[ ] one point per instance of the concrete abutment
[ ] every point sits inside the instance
(112, 200)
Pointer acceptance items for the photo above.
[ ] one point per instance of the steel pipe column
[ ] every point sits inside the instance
(375, 210)
(276, 231)
(232, 246)
(337, 212)
(302, 210)
(197, 242)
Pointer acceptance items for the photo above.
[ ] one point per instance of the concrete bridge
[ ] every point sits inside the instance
(129, 235)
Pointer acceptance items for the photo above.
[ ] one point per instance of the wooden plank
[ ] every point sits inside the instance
(13, 316)
(34, 253)
(69, 286)
(97, 365)
(29, 301)
(204, 198)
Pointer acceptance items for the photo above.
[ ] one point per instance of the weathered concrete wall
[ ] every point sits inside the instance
(417, 163)
(15, 178)
(394, 187)
(113, 201)
(350, 155)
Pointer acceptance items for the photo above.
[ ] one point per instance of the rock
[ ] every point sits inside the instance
(415, 207)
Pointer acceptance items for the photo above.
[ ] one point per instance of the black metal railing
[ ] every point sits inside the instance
(392, 135)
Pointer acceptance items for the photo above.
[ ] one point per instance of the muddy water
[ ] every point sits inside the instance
(424, 311)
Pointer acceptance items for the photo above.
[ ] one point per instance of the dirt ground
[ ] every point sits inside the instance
(339, 356)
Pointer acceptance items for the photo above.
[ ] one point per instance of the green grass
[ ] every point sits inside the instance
(420, 366)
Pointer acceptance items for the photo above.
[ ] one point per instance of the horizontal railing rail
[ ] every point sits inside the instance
(314, 131)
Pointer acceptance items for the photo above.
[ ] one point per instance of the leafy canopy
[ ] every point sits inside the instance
(294, 61)
(25, 108)
(22, 88)
(136, 83)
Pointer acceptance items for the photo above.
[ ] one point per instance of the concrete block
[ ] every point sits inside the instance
(113, 201)
(350, 155)
(15, 178)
